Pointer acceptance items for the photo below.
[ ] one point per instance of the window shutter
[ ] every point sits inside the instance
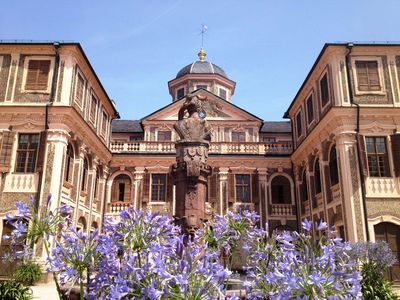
(146, 187)
(37, 75)
(396, 153)
(231, 187)
(363, 154)
(254, 188)
(43, 74)
(6, 144)
(41, 152)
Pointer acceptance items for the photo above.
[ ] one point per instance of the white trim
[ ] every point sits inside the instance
(79, 72)
(312, 95)
(250, 187)
(1, 62)
(93, 95)
(151, 187)
(382, 91)
(291, 183)
(380, 219)
(50, 75)
(299, 112)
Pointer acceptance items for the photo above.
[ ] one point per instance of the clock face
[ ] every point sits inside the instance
(202, 114)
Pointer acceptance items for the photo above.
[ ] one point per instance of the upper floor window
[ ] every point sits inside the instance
(317, 177)
(324, 89)
(180, 93)
(367, 75)
(80, 86)
(27, 151)
(104, 123)
(158, 184)
(37, 76)
(378, 162)
(310, 109)
(201, 86)
(135, 138)
(164, 136)
(222, 93)
(69, 164)
(93, 109)
(269, 139)
(238, 136)
(299, 129)
(242, 188)
(333, 166)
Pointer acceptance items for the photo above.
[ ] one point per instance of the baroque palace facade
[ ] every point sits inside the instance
(337, 158)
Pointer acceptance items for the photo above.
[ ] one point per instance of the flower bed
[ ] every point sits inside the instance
(142, 255)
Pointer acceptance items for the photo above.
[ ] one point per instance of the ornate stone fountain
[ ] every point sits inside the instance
(191, 169)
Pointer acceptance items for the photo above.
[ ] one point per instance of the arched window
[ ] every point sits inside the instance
(333, 166)
(280, 190)
(317, 177)
(85, 174)
(81, 224)
(69, 164)
(121, 189)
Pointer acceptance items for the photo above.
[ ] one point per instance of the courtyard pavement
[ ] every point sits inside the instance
(45, 291)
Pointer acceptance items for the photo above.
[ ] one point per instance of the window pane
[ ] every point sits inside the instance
(310, 109)
(324, 90)
(158, 187)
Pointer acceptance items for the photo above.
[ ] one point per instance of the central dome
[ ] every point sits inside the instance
(201, 67)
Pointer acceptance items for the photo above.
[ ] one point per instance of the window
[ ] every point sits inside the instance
(158, 182)
(333, 167)
(324, 89)
(96, 185)
(378, 163)
(242, 188)
(222, 93)
(37, 77)
(93, 109)
(135, 138)
(164, 136)
(238, 136)
(317, 177)
(304, 188)
(121, 191)
(80, 85)
(280, 190)
(27, 153)
(85, 175)
(201, 86)
(104, 124)
(269, 139)
(180, 93)
(69, 164)
(299, 129)
(310, 109)
(367, 76)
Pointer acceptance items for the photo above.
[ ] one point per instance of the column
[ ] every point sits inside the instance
(78, 185)
(104, 197)
(91, 195)
(351, 186)
(223, 191)
(263, 194)
(138, 179)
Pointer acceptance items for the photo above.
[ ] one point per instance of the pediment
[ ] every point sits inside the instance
(225, 111)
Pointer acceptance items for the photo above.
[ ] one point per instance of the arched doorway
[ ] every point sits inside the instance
(121, 189)
(390, 233)
(281, 190)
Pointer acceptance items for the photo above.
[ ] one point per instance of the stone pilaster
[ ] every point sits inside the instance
(78, 185)
(263, 194)
(138, 187)
(223, 205)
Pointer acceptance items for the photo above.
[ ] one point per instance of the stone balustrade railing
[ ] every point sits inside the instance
(386, 187)
(21, 183)
(258, 148)
(116, 207)
(282, 210)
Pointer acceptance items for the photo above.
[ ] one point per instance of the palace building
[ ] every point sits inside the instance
(336, 157)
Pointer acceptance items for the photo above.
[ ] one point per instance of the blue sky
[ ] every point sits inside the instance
(267, 47)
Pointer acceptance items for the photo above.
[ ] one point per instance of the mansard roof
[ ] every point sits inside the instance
(122, 126)
(276, 127)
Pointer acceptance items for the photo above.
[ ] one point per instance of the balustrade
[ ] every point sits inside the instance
(258, 148)
(21, 183)
(116, 207)
(282, 210)
(382, 187)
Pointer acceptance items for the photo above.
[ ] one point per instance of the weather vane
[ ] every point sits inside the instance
(203, 32)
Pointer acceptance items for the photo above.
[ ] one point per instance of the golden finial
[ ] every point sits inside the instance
(202, 54)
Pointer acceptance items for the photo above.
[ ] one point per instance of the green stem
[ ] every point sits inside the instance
(81, 289)
(54, 274)
(140, 262)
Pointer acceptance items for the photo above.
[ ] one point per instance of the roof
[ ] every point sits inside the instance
(64, 43)
(126, 126)
(326, 45)
(276, 127)
(201, 67)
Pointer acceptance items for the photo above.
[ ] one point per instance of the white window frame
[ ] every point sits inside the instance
(250, 186)
(1, 62)
(311, 93)
(25, 74)
(151, 186)
(298, 137)
(93, 94)
(219, 92)
(382, 91)
(178, 88)
(202, 83)
(101, 123)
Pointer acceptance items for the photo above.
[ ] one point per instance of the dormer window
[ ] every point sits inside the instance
(238, 136)
(164, 136)
(222, 93)
(201, 86)
(180, 93)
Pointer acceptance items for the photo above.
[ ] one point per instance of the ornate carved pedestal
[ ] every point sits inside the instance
(191, 169)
